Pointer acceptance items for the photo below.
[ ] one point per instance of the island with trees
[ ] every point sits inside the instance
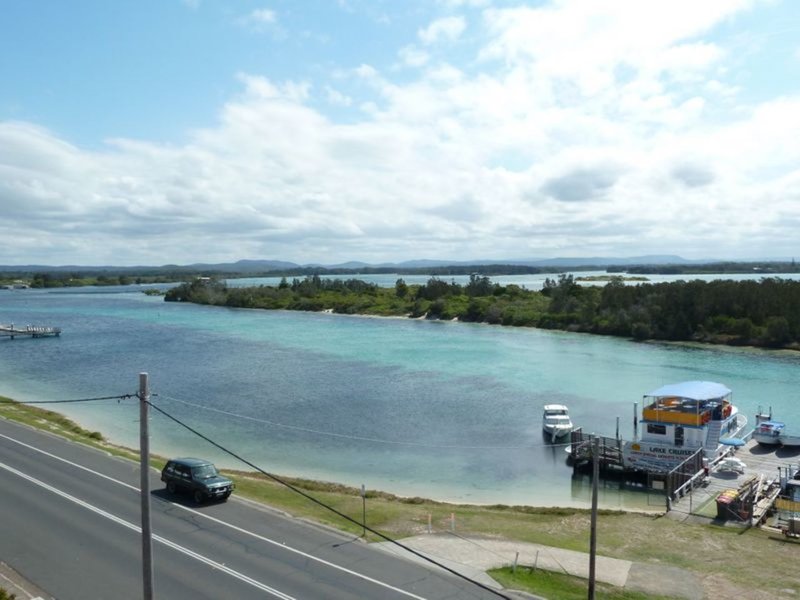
(762, 313)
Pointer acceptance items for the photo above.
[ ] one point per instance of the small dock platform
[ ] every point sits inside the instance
(758, 479)
(33, 331)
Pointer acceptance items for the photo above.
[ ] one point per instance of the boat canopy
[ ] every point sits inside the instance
(692, 390)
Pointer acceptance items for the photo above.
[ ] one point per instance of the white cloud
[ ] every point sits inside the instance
(338, 98)
(717, 87)
(446, 28)
(413, 56)
(262, 15)
(581, 132)
(260, 20)
(366, 71)
(461, 3)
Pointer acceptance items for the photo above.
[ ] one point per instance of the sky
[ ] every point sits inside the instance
(152, 132)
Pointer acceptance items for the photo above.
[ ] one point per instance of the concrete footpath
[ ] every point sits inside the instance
(472, 556)
(16, 584)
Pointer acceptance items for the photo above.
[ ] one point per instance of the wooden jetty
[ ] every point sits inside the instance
(34, 331)
(672, 484)
(756, 486)
(692, 488)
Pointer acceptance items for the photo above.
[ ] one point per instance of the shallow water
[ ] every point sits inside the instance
(437, 409)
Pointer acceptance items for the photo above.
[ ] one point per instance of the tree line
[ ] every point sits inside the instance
(57, 280)
(758, 313)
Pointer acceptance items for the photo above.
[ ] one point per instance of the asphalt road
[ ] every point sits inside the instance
(69, 522)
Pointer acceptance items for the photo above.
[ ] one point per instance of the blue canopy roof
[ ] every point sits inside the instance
(693, 390)
(732, 442)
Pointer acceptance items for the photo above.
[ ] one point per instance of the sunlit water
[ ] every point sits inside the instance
(437, 409)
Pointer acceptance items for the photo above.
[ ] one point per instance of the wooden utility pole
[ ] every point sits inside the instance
(144, 472)
(593, 531)
(364, 511)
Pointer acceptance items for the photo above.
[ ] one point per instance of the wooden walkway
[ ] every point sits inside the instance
(761, 466)
(34, 331)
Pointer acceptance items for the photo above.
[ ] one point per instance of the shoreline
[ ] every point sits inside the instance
(74, 428)
(789, 350)
(63, 425)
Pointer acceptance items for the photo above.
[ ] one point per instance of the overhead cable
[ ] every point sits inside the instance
(327, 506)
(123, 397)
(356, 437)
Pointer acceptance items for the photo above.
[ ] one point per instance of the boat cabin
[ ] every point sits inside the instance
(556, 410)
(683, 414)
(771, 429)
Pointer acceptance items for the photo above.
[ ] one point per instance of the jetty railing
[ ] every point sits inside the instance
(674, 483)
(610, 456)
(685, 477)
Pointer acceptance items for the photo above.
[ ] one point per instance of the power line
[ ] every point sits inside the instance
(123, 397)
(357, 437)
(326, 506)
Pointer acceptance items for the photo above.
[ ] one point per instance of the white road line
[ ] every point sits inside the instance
(275, 543)
(190, 553)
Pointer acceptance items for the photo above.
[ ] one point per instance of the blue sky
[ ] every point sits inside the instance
(178, 131)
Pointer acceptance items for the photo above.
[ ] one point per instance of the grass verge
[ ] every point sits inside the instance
(558, 586)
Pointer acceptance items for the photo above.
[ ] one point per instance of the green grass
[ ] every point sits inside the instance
(558, 586)
(46, 419)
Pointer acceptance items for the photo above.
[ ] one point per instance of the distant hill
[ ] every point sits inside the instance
(243, 267)
(597, 261)
(655, 259)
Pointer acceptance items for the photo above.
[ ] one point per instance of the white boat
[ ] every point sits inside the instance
(773, 433)
(678, 420)
(555, 421)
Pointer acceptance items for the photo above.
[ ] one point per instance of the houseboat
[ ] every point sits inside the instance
(678, 420)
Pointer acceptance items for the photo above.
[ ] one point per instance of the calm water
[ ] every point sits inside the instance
(444, 410)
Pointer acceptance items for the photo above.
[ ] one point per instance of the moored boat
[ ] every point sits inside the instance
(680, 419)
(555, 421)
(773, 433)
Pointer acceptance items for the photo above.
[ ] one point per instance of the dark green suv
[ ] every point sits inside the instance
(198, 477)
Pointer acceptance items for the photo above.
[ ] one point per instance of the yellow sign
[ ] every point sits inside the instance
(790, 505)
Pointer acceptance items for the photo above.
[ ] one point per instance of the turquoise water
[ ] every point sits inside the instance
(439, 409)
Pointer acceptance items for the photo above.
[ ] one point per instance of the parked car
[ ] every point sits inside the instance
(198, 477)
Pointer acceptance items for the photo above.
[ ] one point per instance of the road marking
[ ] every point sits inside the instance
(275, 543)
(190, 553)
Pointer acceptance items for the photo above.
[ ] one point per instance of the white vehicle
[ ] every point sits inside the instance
(555, 421)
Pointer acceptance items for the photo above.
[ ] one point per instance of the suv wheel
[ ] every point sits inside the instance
(199, 497)
(171, 487)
